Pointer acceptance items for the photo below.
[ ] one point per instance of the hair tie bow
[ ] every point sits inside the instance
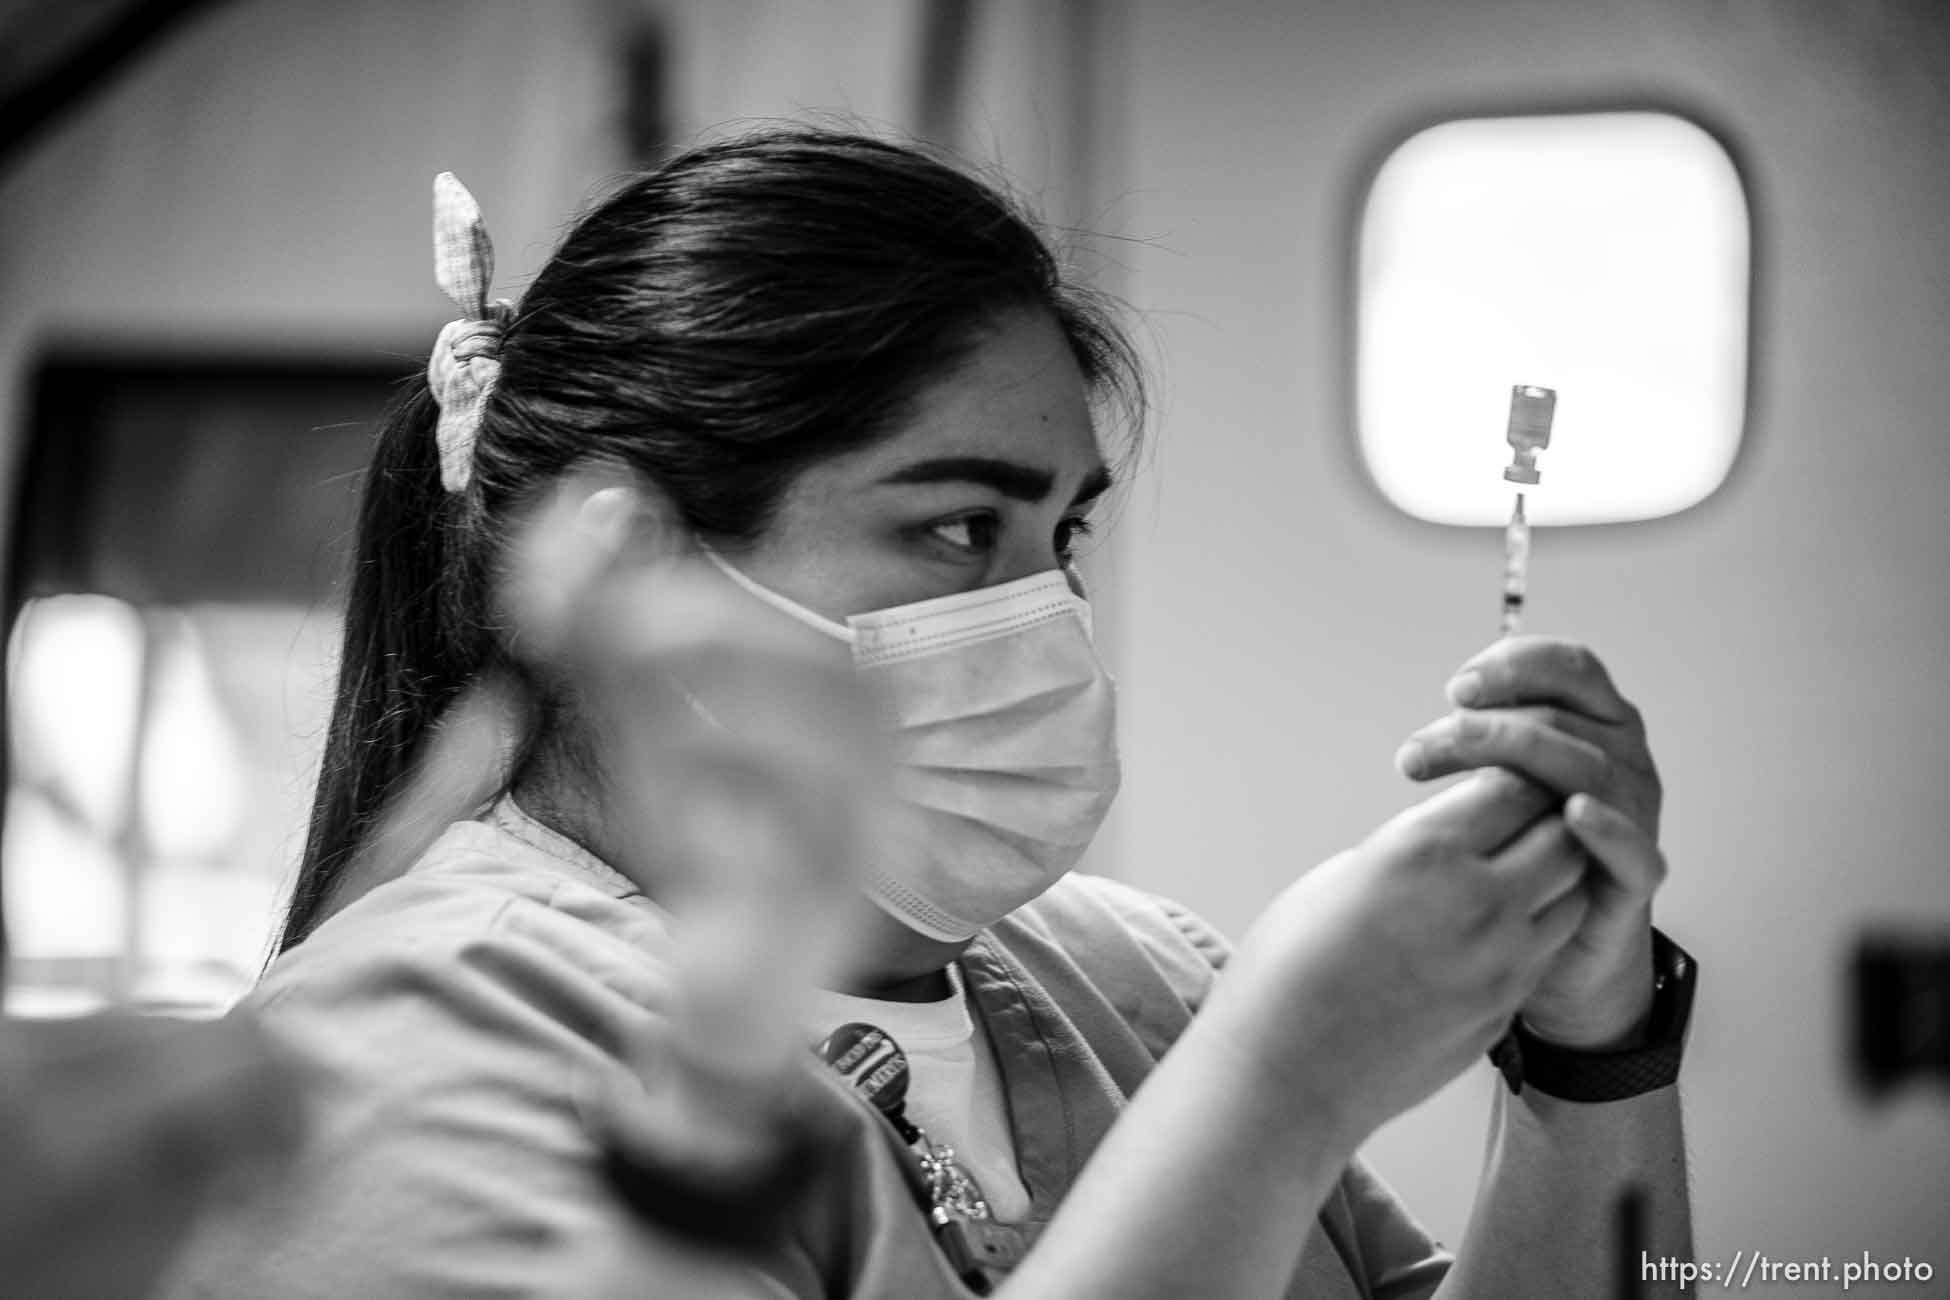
(466, 357)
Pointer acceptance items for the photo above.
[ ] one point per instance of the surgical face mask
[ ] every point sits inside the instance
(1005, 744)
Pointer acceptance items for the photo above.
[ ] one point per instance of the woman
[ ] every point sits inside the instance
(865, 398)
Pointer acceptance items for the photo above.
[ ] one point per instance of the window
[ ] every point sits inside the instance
(1603, 255)
(179, 532)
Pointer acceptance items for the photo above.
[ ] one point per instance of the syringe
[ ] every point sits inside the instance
(1531, 411)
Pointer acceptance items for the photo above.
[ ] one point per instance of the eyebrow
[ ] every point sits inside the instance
(1012, 479)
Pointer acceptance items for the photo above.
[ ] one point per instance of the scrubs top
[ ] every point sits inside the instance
(448, 1022)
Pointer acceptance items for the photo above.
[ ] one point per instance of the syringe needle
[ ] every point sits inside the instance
(1532, 409)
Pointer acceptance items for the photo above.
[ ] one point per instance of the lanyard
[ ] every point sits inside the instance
(980, 1250)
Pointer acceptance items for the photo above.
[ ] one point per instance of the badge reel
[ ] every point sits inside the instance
(980, 1250)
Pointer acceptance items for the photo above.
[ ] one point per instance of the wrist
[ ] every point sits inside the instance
(713, 1157)
(1617, 1029)
(1307, 1096)
(1612, 1073)
(1607, 1015)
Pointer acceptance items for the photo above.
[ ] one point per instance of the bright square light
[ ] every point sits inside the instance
(1602, 255)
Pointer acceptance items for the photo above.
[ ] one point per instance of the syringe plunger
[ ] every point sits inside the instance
(1516, 568)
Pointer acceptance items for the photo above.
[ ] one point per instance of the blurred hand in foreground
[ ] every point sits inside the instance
(745, 778)
(744, 767)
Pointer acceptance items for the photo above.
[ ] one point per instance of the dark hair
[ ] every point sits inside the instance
(718, 324)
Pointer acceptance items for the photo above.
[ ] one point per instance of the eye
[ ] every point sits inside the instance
(970, 534)
(1068, 534)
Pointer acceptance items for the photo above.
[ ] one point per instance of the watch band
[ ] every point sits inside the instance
(745, 1209)
(1573, 1075)
(658, 1171)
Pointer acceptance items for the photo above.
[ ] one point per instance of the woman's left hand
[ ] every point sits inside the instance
(1546, 708)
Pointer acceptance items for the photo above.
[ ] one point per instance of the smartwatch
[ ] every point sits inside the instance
(1573, 1075)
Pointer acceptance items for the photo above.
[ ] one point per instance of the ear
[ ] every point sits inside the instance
(620, 515)
(597, 522)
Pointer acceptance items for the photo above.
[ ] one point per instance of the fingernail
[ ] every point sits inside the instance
(1411, 761)
(1466, 689)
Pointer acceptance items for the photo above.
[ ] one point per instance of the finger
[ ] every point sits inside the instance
(1629, 857)
(1541, 865)
(1612, 737)
(1558, 924)
(1541, 670)
(1478, 815)
(1519, 740)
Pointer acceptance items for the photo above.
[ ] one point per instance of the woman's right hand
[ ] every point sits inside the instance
(1381, 974)
(745, 779)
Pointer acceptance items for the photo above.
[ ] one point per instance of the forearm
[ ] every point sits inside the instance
(1548, 1213)
(1197, 1190)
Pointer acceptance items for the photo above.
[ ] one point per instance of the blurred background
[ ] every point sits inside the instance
(1345, 229)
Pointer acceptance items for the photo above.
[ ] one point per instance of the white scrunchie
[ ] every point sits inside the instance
(466, 357)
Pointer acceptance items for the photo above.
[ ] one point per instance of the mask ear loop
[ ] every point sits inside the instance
(851, 635)
(817, 622)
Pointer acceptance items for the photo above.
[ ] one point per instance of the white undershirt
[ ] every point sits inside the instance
(954, 1088)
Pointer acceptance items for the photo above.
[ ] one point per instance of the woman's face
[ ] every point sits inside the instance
(989, 479)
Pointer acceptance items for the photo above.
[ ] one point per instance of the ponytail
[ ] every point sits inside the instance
(410, 645)
(751, 308)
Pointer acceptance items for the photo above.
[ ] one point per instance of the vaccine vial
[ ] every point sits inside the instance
(1531, 411)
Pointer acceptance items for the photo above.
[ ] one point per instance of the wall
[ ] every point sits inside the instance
(1277, 629)
(261, 181)
(1284, 629)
